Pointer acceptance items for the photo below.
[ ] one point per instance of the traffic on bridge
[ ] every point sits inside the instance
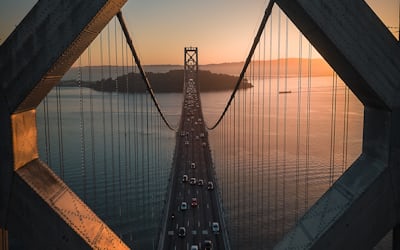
(193, 215)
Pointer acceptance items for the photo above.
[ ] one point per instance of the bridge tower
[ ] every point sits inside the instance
(191, 63)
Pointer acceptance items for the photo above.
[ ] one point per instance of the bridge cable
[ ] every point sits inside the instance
(92, 128)
(269, 191)
(82, 128)
(103, 105)
(298, 128)
(277, 126)
(126, 162)
(111, 108)
(345, 128)
(262, 138)
(285, 124)
(333, 129)
(60, 131)
(267, 13)
(141, 70)
(117, 90)
(308, 115)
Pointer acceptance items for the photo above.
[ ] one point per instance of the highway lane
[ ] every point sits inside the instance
(191, 226)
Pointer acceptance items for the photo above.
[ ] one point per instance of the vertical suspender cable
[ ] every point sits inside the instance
(82, 128)
(277, 128)
(333, 130)
(117, 91)
(60, 132)
(125, 129)
(142, 132)
(345, 128)
(235, 164)
(243, 156)
(262, 165)
(129, 163)
(103, 110)
(269, 191)
(136, 139)
(285, 125)
(147, 149)
(92, 135)
(308, 127)
(258, 141)
(111, 121)
(298, 127)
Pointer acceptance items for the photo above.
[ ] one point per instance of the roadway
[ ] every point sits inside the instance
(193, 160)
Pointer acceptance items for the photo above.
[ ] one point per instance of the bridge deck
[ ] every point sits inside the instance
(193, 160)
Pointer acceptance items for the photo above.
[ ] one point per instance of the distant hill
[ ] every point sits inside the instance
(212, 77)
(171, 81)
(289, 67)
(318, 68)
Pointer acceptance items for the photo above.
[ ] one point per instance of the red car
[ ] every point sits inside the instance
(194, 202)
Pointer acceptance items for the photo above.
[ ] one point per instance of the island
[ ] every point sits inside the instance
(169, 82)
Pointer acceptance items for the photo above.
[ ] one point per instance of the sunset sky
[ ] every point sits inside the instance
(222, 29)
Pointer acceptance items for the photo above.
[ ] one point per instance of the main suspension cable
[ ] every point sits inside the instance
(267, 13)
(141, 70)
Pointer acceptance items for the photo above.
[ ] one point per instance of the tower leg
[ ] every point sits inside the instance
(396, 237)
(3, 239)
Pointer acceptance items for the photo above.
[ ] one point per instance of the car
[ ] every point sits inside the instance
(215, 227)
(200, 182)
(194, 247)
(210, 185)
(192, 181)
(182, 232)
(204, 144)
(194, 202)
(186, 142)
(185, 178)
(202, 135)
(208, 245)
(184, 206)
(193, 165)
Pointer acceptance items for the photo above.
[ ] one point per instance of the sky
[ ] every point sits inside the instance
(223, 30)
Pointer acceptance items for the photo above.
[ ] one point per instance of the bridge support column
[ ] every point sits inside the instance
(363, 205)
(3, 239)
(36, 207)
(396, 237)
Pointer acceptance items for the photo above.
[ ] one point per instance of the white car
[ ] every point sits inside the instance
(210, 185)
(184, 206)
(215, 227)
(194, 247)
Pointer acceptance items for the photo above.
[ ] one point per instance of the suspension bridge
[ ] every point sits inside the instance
(299, 153)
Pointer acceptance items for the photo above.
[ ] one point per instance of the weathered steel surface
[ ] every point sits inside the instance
(35, 205)
(363, 204)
